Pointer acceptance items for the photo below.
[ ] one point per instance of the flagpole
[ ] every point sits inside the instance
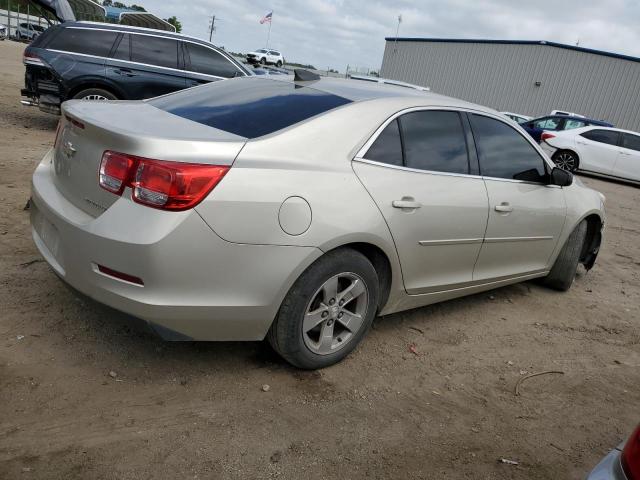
(269, 32)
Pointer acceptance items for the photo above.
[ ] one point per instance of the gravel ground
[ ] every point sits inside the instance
(87, 392)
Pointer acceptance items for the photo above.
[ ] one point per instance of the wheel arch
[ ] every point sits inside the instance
(87, 83)
(381, 264)
(592, 241)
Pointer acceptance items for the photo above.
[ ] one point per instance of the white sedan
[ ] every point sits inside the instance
(601, 150)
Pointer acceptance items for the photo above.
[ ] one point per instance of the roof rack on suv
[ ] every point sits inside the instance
(388, 81)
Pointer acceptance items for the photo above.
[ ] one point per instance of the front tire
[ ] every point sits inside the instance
(566, 160)
(327, 311)
(279, 64)
(564, 269)
(263, 61)
(94, 94)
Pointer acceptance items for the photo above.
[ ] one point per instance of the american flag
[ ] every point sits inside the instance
(267, 18)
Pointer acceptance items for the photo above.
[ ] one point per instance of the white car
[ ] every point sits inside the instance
(29, 30)
(516, 117)
(605, 151)
(265, 56)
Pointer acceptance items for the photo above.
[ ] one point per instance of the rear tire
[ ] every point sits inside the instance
(94, 94)
(566, 160)
(564, 269)
(335, 300)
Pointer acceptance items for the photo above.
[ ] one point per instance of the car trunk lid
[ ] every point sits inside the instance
(89, 128)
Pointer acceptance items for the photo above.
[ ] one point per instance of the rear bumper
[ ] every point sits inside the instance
(196, 285)
(609, 468)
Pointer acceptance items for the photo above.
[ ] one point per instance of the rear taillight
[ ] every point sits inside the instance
(631, 456)
(115, 171)
(158, 183)
(30, 58)
(547, 136)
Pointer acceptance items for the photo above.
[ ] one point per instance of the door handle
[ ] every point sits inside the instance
(406, 203)
(504, 207)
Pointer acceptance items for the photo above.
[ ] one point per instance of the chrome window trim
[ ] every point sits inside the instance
(177, 39)
(416, 170)
(360, 156)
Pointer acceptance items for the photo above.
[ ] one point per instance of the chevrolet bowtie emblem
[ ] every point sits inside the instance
(67, 148)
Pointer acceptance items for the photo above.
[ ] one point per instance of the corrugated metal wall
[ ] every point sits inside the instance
(503, 76)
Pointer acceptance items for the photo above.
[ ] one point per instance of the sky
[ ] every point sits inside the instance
(337, 33)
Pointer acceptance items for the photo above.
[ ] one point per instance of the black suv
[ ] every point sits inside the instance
(100, 61)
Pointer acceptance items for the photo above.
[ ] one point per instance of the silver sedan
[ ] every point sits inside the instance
(300, 208)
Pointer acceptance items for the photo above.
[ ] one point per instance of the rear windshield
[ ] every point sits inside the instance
(249, 107)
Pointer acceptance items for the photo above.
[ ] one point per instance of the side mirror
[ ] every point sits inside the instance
(561, 177)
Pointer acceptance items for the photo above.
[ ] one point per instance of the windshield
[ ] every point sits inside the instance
(261, 51)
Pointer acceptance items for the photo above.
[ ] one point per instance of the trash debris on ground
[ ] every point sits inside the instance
(508, 462)
(522, 379)
(265, 388)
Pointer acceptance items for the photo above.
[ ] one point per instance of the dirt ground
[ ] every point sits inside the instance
(197, 410)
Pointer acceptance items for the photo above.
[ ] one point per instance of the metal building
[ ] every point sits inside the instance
(527, 77)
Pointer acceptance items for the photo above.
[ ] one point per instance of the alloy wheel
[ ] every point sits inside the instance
(565, 161)
(335, 313)
(94, 97)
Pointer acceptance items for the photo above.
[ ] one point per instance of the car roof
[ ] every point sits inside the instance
(358, 91)
(134, 29)
(571, 117)
(577, 131)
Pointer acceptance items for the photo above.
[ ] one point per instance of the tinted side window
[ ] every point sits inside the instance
(207, 61)
(122, 52)
(154, 51)
(84, 40)
(631, 141)
(504, 153)
(602, 136)
(435, 141)
(387, 148)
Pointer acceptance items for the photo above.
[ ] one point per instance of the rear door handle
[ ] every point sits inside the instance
(504, 207)
(406, 203)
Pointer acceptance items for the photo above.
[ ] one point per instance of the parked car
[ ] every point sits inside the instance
(516, 117)
(264, 56)
(622, 463)
(29, 31)
(97, 61)
(269, 206)
(605, 151)
(556, 123)
(3, 32)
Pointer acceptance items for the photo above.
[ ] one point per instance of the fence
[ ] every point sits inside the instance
(12, 19)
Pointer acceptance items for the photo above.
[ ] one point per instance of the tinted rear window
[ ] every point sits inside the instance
(89, 41)
(249, 107)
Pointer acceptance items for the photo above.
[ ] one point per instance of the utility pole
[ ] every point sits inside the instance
(395, 43)
(212, 27)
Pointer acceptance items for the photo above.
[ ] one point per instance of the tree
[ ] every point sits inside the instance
(175, 22)
(137, 8)
(119, 5)
(107, 3)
